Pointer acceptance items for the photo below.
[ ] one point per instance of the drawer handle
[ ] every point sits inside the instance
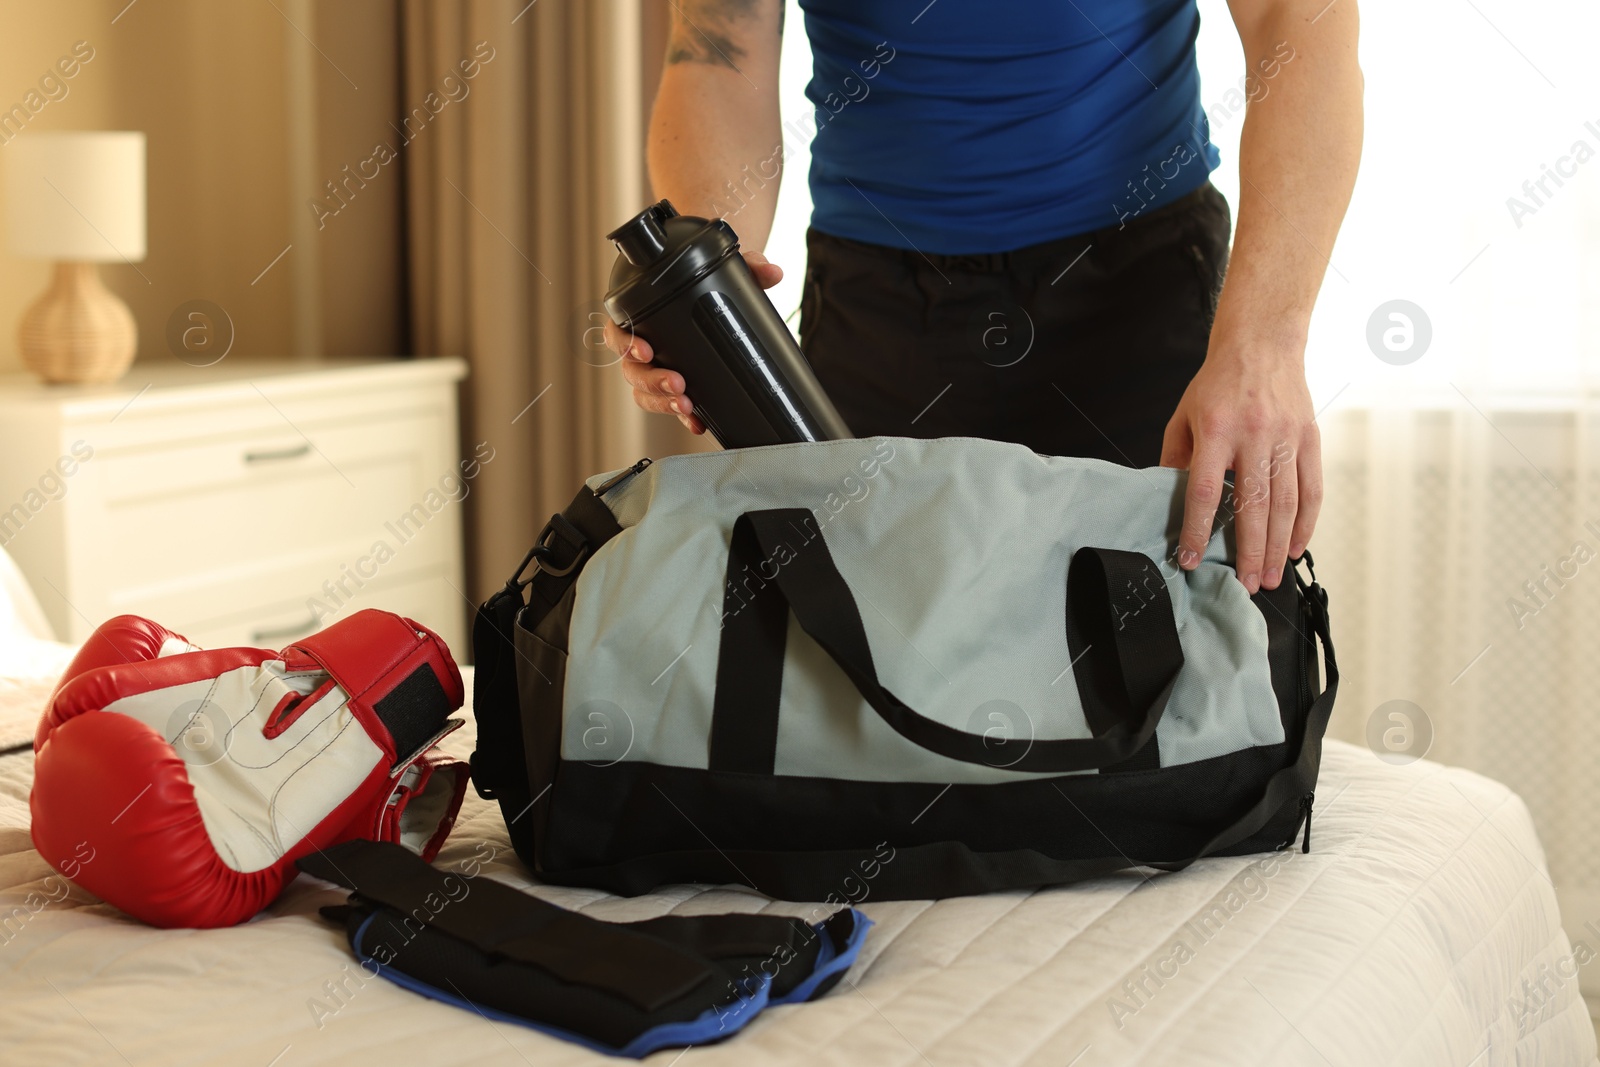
(299, 629)
(274, 454)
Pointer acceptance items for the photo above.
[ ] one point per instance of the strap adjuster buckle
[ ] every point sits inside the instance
(544, 551)
(559, 529)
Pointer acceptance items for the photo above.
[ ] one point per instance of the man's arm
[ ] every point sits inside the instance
(1248, 408)
(715, 150)
(716, 145)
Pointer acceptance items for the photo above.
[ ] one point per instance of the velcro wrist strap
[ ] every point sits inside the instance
(361, 651)
(387, 664)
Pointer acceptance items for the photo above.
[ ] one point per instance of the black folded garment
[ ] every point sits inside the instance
(627, 989)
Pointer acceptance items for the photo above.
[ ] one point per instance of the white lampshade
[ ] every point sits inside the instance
(76, 196)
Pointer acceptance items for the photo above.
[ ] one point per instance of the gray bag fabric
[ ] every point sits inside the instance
(952, 662)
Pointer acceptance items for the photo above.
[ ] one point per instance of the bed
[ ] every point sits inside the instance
(1421, 929)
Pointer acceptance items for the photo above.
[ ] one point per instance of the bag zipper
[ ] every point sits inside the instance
(1308, 650)
(622, 476)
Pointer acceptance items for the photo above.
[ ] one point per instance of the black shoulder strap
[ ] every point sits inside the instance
(563, 546)
(778, 561)
(569, 539)
(496, 919)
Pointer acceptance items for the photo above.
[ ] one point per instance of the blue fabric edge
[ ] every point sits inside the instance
(828, 963)
(712, 1024)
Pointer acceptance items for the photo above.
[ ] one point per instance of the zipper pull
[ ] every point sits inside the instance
(1305, 806)
(622, 476)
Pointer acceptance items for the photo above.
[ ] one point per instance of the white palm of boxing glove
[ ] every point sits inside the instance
(196, 778)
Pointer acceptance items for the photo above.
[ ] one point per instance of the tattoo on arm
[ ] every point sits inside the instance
(709, 31)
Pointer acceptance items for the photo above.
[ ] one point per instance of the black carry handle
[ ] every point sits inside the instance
(1125, 672)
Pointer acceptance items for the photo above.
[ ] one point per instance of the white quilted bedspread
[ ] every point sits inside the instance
(1422, 929)
(29, 668)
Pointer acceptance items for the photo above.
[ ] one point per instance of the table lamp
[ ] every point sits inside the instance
(78, 199)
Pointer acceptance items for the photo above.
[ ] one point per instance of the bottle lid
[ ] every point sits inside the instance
(662, 252)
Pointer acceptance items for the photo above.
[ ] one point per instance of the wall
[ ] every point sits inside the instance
(35, 36)
(217, 87)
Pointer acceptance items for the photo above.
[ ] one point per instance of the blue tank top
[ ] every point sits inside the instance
(972, 126)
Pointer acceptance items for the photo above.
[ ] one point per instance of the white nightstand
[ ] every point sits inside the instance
(240, 504)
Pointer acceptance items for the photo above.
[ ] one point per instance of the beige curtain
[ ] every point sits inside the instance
(1465, 610)
(511, 188)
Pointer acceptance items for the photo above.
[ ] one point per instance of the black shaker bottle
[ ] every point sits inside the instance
(681, 284)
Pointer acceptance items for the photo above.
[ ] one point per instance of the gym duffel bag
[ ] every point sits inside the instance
(891, 667)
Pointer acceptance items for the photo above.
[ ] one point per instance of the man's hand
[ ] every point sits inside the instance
(656, 388)
(1254, 416)
(1248, 408)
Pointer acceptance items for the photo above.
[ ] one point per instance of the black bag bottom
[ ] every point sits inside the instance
(630, 827)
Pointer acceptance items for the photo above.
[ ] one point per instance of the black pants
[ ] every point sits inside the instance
(1077, 347)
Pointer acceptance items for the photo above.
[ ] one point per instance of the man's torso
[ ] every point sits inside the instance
(965, 126)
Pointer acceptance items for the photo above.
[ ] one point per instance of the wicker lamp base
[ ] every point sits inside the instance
(78, 330)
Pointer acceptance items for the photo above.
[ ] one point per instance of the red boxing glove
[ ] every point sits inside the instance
(192, 780)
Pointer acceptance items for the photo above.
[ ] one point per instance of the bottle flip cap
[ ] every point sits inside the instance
(662, 251)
